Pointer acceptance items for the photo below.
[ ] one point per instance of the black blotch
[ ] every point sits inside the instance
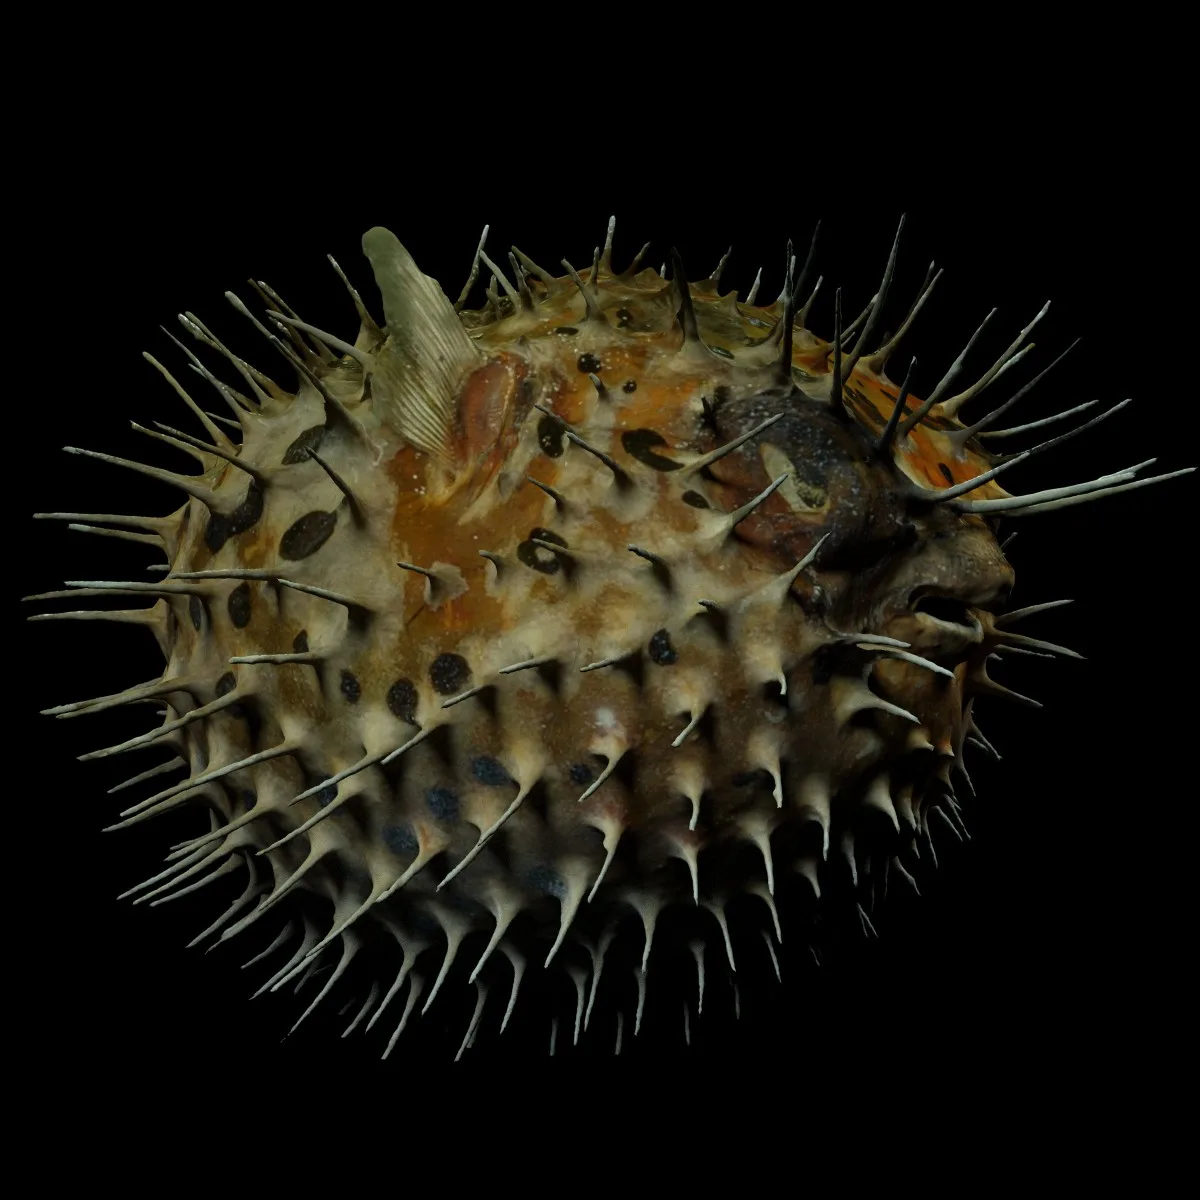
(351, 688)
(946, 474)
(721, 395)
(630, 385)
(300, 643)
(216, 532)
(443, 803)
(567, 330)
(490, 771)
(639, 444)
(581, 773)
(307, 535)
(660, 649)
(708, 414)
(624, 316)
(310, 439)
(588, 364)
(550, 437)
(450, 674)
(221, 528)
(250, 509)
(239, 606)
(547, 880)
(402, 700)
(327, 794)
(538, 557)
(225, 685)
(196, 612)
(400, 839)
(694, 499)
(547, 535)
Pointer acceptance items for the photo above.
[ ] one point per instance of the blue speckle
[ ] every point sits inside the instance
(581, 773)
(661, 650)
(443, 803)
(490, 771)
(547, 880)
(400, 839)
(327, 794)
(422, 922)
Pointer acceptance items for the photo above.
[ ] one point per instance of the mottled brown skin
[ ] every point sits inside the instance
(793, 750)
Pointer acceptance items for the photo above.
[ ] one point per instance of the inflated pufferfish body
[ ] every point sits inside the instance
(510, 630)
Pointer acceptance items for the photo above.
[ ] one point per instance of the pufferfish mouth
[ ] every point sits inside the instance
(948, 614)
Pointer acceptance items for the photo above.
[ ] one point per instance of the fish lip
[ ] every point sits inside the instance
(974, 631)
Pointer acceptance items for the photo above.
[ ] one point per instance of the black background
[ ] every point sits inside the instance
(1046, 949)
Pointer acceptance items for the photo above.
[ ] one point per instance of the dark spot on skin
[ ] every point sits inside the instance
(638, 444)
(630, 385)
(547, 535)
(721, 395)
(239, 606)
(310, 439)
(946, 474)
(307, 535)
(538, 557)
(226, 684)
(490, 771)
(300, 643)
(660, 649)
(547, 880)
(708, 413)
(567, 330)
(588, 364)
(216, 532)
(221, 527)
(694, 499)
(327, 794)
(581, 773)
(450, 674)
(624, 316)
(550, 437)
(402, 700)
(400, 839)
(196, 612)
(443, 803)
(350, 687)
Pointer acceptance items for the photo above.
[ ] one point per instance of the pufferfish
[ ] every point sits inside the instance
(609, 621)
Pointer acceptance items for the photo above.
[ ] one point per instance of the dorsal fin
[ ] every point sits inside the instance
(427, 353)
